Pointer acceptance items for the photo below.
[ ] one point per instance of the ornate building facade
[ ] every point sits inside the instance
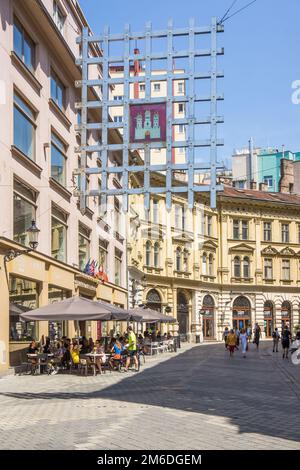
(233, 266)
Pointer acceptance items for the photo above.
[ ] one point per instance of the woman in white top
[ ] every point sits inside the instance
(243, 341)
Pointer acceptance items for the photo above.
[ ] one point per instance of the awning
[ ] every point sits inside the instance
(80, 309)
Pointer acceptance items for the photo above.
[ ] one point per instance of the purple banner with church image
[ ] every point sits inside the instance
(147, 122)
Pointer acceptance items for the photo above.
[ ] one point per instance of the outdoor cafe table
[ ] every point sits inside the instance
(39, 357)
(94, 357)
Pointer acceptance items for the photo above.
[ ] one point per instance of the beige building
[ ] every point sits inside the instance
(233, 266)
(37, 160)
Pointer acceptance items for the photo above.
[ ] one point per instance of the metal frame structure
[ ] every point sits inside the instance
(126, 147)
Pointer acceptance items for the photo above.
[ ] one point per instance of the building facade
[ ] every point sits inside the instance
(37, 161)
(233, 266)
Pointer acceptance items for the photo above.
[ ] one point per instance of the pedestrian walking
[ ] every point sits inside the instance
(237, 334)
(231, 342)
(257, 335)
(225, 336)
(286, 336)
(249, 333)
(244, 341)
(276, 338)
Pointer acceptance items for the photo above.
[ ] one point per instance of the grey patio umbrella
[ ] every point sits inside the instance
(148, 315)
(79, 308)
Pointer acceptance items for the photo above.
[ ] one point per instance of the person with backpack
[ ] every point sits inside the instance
(286, 336)
(276, 338)
(257, 335)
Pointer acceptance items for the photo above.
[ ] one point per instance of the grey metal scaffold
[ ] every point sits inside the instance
(165, 140)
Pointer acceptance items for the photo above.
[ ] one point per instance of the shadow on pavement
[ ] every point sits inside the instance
(250, 392)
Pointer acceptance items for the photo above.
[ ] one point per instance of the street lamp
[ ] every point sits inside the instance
(33, 233)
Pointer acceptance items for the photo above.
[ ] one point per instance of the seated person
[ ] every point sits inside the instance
(91, 345)
(47, 348)
(66, 358)
(85, 347)
(116, 350)
(32, 348)
(75, 353)
(99, 349)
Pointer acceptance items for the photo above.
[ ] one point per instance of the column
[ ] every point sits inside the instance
(4, 318)
(43, 326)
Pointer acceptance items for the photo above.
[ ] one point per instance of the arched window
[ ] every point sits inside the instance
(237, 266)
(204, 264)
(148, 253)
(246, 267)
(241, 306)
(185, 260)
(178, 259)
(210, 265)
(156, 254)
(153, 300)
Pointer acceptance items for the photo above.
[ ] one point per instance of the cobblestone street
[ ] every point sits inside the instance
(198, 398)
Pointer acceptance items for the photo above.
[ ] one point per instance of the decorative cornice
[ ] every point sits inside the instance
(241, 248)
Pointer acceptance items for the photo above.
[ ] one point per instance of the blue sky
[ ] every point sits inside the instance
(262, 59)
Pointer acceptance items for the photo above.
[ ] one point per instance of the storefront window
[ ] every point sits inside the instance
(57, 329)
(23, 296)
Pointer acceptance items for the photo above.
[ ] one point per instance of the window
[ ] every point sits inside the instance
(204, 264)
(24, 211)
(83, 246)
(181, 150)
(180, 87)
(118, 97)
(185, 261)
(148, 253)
(286, 275)
(181, 128)
(237, 267)
(268, 180)
(181, 107)
(142, 87)
(177, 216)
(183, 219)
(156, 254)
(117, 216)
(24, 127)
(240, 230)
(240, 184)
(178, 259)
(57, 329)
(57, 91)
(118, 118)
(58, 160)
(285, 237)
(78, 115)
(156, 86)
(236, 229)
(23, 296)
(210, 265)
(155, 212)
(118, 264)
(246, 268)
(209, 225)
(103, 254)
(267, 231)
(299, 233)
(58, 17)
(268, 268)
(59, 234)
(24, 46)
(245, 230)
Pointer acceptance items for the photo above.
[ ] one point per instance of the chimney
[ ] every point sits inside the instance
(286, 182)
(253, 185)
(263, 187)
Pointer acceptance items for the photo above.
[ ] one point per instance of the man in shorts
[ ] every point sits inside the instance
(132, 349)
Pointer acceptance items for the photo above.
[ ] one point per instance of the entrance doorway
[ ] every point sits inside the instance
(182, 316)
(268, 319)
(208, 310)
(241, 313)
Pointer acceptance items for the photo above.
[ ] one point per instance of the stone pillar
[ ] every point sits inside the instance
(224, 314)
(257, 254)
(197, 321)
(258, 316)
(4, 318)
